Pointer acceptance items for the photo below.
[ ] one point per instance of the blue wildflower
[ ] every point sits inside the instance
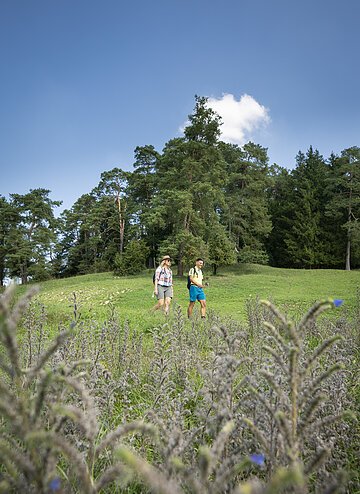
(258, 459)
(55, 484)
(337, 302)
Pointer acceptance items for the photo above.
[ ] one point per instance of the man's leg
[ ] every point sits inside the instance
(203, 308)
(190, 308)
(192, 295)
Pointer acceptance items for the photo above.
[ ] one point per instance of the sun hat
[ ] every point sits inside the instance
(165, 258)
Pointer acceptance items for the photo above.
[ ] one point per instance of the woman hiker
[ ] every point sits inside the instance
(163, 282)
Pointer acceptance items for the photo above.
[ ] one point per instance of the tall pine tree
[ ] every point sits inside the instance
(343, 207)
(305, 239)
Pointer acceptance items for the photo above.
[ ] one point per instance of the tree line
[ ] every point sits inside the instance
(199, 196)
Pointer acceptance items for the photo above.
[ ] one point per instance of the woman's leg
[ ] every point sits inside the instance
(167, 305)
(159, 304)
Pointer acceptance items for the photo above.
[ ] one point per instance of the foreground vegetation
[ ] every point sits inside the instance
(94, 401)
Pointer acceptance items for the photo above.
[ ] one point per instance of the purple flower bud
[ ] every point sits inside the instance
(258, 459)
(337, 302)
(55, 484)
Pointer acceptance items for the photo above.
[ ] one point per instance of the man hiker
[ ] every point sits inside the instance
(196, 288)
(163, 285)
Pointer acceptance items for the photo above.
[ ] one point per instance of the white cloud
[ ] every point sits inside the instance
(239, 118)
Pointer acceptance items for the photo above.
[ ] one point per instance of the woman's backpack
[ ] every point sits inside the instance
(155, 274)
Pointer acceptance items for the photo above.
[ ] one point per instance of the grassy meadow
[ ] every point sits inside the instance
(294, 291)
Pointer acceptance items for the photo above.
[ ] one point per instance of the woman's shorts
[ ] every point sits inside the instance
(164, 292)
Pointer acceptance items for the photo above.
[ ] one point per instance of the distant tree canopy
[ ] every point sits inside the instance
(198, 197)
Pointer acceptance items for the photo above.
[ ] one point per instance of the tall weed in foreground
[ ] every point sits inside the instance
(50, 435)
(205, 407)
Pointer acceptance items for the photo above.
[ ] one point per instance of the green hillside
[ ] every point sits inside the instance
(294, 291)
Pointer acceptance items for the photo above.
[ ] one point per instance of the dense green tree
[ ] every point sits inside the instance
(9, 219)
(113, 185)
(246, 213)
(344, 204)
(32, 238)
(81, 244)
(147, 210)
(280, 199)
(222, 250)
(143, 181)
(133, 259)
(96, 227)
(191, 177)
(187, 245)
(3, 235)
(204, 123)
(305, 239)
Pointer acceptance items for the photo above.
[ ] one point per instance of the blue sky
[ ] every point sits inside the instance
(83, 82)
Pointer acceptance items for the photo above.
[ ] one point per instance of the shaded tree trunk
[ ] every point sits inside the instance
(23, 274)
(121, 223)
(348, 249)
(348, 245)
(180, 269)
(180, 266)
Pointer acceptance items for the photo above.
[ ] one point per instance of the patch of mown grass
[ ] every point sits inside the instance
(292, 290)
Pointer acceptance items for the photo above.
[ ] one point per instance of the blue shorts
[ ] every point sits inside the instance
(196, 293)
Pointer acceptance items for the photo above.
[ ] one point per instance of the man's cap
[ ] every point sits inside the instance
(165, 258)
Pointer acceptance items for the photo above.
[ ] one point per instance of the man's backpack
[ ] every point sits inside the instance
(188, 285)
